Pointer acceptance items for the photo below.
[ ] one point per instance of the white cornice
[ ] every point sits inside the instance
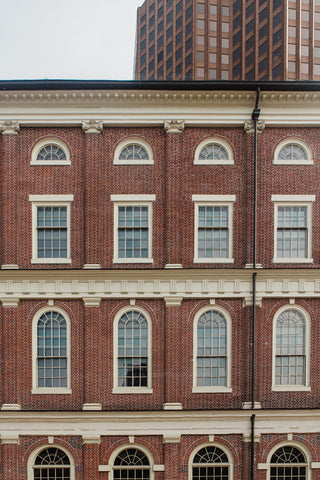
(170, 424)
(170, 285)
(154, 108)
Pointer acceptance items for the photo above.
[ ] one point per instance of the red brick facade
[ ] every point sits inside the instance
(170, 420)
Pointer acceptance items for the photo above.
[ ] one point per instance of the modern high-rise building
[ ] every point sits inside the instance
(228, 39)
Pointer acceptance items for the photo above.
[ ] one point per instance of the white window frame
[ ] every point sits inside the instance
(125, 446)
(296, 141)
(213, 201)
(293, 201)
(35, 453)
(50, 141)
(293, 388)
(132, 201)
(212, 389)
(289, 443)
(209, 141)
(130, 141)
(49, 390)
(135, 390)
(211, 444)
(50, 201)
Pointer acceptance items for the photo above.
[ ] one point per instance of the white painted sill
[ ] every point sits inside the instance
(50, 260)
(213, 260)
(292, 260)
(211, 390)
(291, 388)
(133, 260)
(51, 391)
(132, 390)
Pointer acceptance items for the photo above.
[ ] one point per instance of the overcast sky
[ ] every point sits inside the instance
(76, 39)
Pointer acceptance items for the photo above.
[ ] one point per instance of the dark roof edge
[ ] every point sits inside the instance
(10, 85)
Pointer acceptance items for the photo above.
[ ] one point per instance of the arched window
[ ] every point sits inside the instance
(131, 463)
(291, 349)
(292, 152)
(51, 352)
(133, 351)
(213, 151)
(211, 345)
(210, 463)
(50, 151)
(133, 151)
(288, 463)
(51, 463)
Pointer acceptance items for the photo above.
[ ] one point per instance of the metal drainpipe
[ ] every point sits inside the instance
(255, 118)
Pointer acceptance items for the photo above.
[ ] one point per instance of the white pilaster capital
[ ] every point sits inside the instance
(174, 126)
(92, 126)
(249, 126)
(9, 127)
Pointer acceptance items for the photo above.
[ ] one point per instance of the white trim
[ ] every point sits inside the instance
(132, 390)
(217, 141)
(133, 198)
(142, 448)
(128, 141)
(132, 201)
(50, 201)
(293, 198)
(212, 200)
(36, 452)
(296, 141)
(288, 388)
(54, 390)
(211, 444)
(299, 446)
(50, 141)
(212, 389)
(292, 201)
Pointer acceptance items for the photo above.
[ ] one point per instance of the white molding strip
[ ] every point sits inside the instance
(173, 286)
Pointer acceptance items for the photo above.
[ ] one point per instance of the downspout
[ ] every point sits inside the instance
(255, 118)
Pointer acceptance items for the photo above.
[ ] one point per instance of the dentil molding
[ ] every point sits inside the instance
(172, 286)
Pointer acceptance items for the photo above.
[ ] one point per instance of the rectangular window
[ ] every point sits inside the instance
(213, 228)
(133, 228)
(292, 242)
(51, 228)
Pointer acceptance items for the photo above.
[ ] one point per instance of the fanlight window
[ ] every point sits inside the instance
(134, 151)
(288, 463)
(214, 152)
(210, 463)
(292, 151)
(51, 153)
(51, 464)
(131, 464)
